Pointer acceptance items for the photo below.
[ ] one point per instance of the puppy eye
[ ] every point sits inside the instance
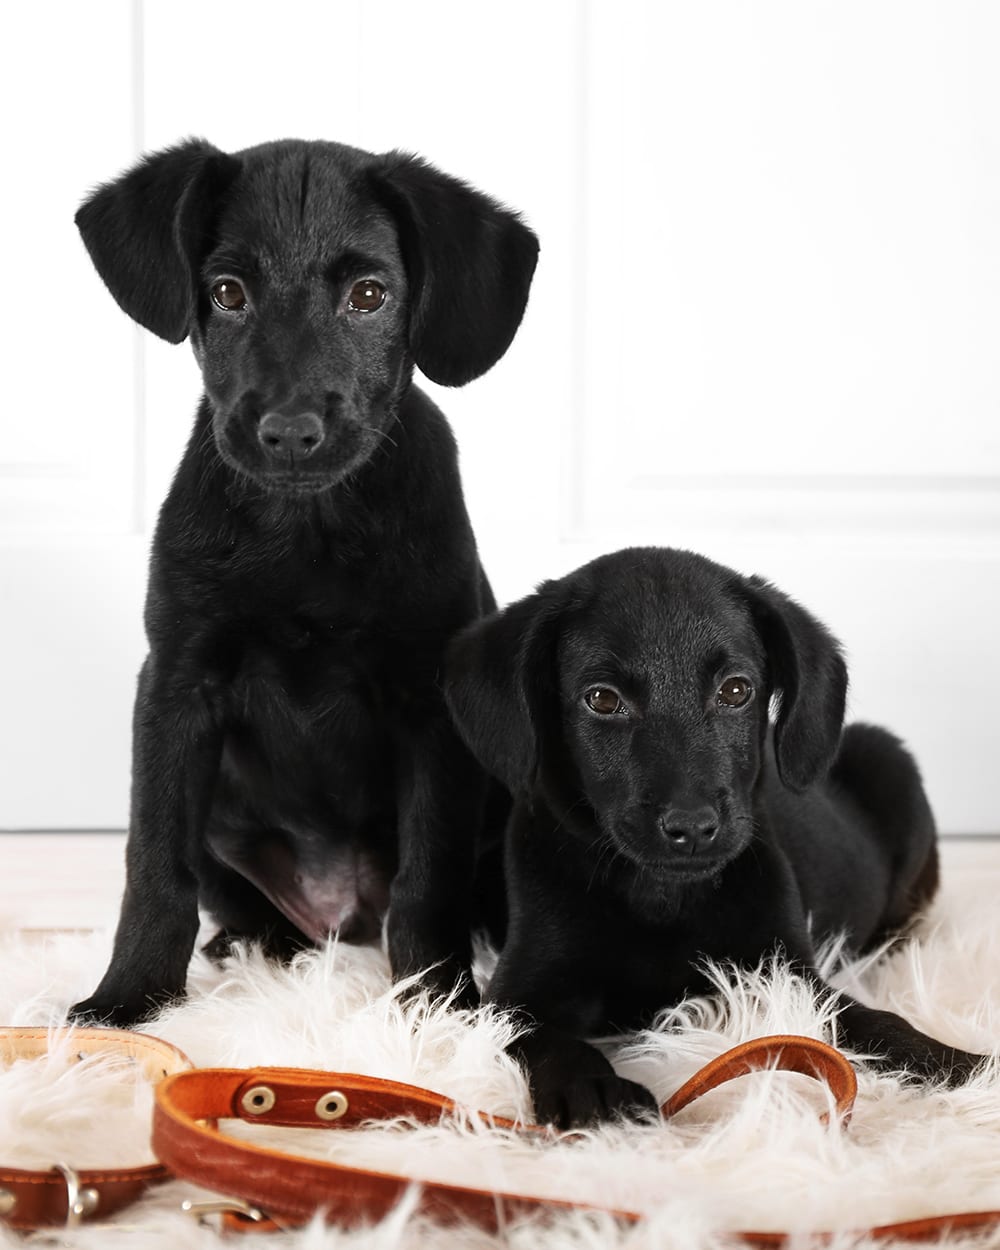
(229, 295)
(366, 296)
(603, 701)
(734, 692)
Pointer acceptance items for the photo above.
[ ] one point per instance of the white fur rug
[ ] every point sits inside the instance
(751, 1155)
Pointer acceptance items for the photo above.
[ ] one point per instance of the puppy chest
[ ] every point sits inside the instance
(648, 976)
(614, 973)
(303, 673)
(300, 702)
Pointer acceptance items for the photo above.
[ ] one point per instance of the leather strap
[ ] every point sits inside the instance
(275, 1189)
(788, 1052)
(285, 1190)
(62, 1194)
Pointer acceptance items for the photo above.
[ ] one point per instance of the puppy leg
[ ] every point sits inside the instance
(176, 752)
(489, 912)
(571, 1082)
(440, 812)
(891, 1042)
(894, 1043)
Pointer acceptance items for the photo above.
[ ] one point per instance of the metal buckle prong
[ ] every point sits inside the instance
(221, 1206)
(80, 1200)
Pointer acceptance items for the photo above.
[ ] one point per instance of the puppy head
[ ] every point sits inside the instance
(634, 695)
(310, 278)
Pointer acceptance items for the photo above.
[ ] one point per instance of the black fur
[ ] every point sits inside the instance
(679, 828)
(294, 762)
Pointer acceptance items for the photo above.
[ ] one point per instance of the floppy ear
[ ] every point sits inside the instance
(501, 687)
(469, 262)
(145, 231)
(810, 677)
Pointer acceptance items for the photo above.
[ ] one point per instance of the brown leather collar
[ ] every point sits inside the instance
(63, 1194)
(278, 1189)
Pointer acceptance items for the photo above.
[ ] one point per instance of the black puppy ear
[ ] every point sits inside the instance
(810, 677)
(146, 230)
(501, 687)
(469, 261)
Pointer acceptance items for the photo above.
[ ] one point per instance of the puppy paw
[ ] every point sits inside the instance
(119, 1011)
(592, 1100)
(954, 1067)
(573, 1085)
(934, 1063)
(281, 948)
(218, 949)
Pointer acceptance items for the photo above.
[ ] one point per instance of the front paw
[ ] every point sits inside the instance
(583, 1100)
(573, 1085)
(122, 1010)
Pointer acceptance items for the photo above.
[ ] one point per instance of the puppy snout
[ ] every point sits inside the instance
(689, 831)
(290, 436)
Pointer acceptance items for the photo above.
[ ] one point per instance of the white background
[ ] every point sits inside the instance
(765, 324)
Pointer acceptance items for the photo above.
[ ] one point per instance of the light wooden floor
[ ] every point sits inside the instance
(60, 880)
(74, 880)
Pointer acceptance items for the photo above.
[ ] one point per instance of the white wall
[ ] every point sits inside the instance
(764, 325)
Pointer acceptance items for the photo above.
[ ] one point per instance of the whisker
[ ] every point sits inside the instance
(572, 807)
(383, 434)
(607, 850)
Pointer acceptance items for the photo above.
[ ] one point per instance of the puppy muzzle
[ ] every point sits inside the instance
(294, 450)
(682, 843)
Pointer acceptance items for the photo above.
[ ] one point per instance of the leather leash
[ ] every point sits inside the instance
(272, 1189)
(268, 1189)
(63, 1195)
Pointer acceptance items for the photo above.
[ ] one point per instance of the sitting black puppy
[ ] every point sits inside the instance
(294, 765)
(659, 821)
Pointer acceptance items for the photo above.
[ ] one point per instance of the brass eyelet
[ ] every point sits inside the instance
(258, 1100)
(331, 1106)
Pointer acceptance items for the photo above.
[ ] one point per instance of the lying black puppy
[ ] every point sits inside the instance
(658, 821)
(293, 757)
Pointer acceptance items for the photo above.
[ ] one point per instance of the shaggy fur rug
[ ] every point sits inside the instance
(753, 1154)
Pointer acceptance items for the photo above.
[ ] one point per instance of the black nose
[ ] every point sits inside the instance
(689, 831)
(293, 436)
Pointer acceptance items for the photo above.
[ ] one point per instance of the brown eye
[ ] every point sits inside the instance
(734, 692)
(366, 296)
(229, 295)
(604, 702)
